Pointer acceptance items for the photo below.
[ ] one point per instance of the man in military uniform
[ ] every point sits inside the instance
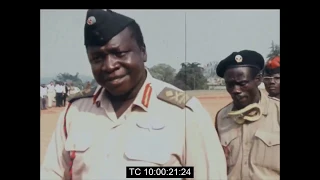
(271, 77)
(249, 127)
(130, 119)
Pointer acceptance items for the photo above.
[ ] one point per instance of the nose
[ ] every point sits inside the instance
(236, 90)
(272, 81)
(110, 64)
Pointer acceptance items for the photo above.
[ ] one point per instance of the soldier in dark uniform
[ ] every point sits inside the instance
(65, 95)
(271, 77)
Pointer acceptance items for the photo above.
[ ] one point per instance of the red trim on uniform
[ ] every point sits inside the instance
(72, 157)
(97, 95)
(146, 95)
(65, 121)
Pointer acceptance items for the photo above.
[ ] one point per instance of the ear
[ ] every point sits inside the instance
(258, 79)
(144, 54)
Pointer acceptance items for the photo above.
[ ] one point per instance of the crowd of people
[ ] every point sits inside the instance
(56, 93)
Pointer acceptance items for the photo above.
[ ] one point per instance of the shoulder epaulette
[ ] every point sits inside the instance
(174, 97)
(86, 93)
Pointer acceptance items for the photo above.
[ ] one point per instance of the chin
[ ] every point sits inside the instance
(120, 90)
(239, 105)
(117, 93)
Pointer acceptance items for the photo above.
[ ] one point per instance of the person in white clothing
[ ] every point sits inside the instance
(60, 90)
(51, 94)
(43, 96)
(73, 89)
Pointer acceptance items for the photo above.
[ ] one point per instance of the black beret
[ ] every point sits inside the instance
(102, 25)
(245, 58)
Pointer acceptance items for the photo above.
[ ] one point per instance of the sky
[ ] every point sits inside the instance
(211, 35)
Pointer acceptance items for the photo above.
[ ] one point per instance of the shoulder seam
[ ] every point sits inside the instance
(216, 118)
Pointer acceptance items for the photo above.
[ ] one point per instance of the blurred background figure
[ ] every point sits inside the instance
(59, 88)
(271, 77)
(43, 96)
(73, 89)
(66, 94)
(51, 94)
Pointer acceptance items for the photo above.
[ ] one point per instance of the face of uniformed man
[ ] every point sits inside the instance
(272, 84)
(118, 66)
(242, 87)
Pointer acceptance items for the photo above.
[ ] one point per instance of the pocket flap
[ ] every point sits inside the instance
(148, 155)
(269, 138)
(227, 137)
(78, 143)
(148, 148)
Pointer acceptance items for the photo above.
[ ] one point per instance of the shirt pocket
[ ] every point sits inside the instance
(78, 146)
(147, 149)
(230, 142)
(266, 150)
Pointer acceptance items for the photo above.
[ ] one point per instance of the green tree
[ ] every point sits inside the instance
(190, 77)
(163, 72)
(210, 69)
(275, 50)
(66, 77)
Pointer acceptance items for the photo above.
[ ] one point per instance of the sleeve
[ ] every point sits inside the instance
(56, 159)
(203, 148)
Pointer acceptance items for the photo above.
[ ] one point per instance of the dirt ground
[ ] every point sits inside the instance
(211, 100)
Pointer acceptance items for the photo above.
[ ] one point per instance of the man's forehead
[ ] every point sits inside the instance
(237, 72)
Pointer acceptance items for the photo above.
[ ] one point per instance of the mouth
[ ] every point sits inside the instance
(115, 80)
(241, 98)
(272, 88)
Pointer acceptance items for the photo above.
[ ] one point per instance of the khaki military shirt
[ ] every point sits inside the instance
(275, 98)
(252, 149)
(151, 132)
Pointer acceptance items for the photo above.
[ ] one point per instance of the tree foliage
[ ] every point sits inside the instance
(210, 69)
(274, 50)
(190, 77)
(163, 72)
(66, 77)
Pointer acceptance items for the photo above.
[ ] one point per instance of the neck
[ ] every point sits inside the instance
(129, 95)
